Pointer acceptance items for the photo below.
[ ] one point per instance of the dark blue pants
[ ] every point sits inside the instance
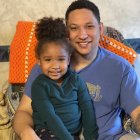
(47, 135)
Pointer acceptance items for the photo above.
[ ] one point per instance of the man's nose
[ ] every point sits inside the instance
(83, 34)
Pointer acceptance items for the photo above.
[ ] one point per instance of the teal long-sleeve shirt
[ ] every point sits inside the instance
(63, 109)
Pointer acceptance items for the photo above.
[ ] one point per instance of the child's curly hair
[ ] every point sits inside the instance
(50, 29)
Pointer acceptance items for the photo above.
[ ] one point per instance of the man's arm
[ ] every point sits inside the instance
(135, 115)
(23, 123)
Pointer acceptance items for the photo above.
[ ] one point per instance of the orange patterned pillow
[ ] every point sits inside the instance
(118, 48)
(22, 55)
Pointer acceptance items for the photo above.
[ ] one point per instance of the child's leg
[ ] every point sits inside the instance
(76, 138)
(45, 135)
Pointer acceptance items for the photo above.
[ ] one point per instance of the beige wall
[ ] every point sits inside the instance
(121, 14)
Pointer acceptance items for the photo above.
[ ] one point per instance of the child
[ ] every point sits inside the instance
(60, 99)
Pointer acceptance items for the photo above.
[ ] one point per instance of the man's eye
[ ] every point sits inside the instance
(73, 28)
(90, 26)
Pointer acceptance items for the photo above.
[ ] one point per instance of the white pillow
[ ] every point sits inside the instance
(137, 65)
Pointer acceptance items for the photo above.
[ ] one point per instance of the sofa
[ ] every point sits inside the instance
(12, 92)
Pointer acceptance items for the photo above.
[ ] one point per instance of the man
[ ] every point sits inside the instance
(111, 80)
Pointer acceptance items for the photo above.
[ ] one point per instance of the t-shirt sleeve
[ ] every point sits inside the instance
(36, 70)
(130, 91)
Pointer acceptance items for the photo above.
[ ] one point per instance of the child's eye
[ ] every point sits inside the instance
(47, 59)
(61, 59)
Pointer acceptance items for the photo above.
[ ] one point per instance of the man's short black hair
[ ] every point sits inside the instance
(80, 4)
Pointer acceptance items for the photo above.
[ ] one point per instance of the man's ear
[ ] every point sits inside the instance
(101, 28)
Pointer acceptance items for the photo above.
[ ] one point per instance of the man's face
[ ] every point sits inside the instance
(84, 31)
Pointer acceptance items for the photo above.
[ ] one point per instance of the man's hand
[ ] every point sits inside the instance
(136, 119)
(23, 122)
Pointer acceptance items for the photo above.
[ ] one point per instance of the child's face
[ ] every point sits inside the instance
(54, 61)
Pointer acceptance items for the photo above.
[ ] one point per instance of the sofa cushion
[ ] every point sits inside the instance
(4, 53)
(135, 43)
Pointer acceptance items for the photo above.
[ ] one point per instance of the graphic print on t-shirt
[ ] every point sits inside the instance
(94, 91)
